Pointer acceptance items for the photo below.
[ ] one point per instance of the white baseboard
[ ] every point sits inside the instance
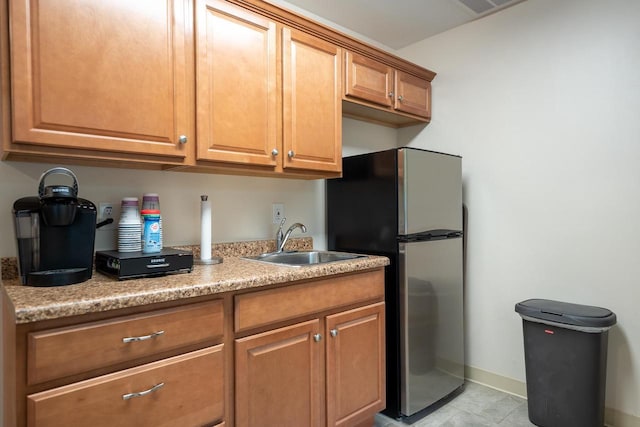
(499, 382)
(613, 417)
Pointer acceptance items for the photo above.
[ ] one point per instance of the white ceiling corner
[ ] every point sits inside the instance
(399, 23)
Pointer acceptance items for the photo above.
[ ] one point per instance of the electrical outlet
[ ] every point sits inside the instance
(278, 212)
(105, 211)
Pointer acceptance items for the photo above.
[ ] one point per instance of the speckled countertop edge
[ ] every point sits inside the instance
(102, 293)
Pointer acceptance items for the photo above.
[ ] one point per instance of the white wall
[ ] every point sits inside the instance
(542, 102)
(362, 137)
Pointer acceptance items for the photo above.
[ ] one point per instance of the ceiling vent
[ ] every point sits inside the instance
(484, 7)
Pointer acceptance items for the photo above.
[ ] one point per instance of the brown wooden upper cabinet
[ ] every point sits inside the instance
(102, 78)
(373, 84)
(267, 95)
(231, 86)
(368, 80)
(236, 77)
(312, 105)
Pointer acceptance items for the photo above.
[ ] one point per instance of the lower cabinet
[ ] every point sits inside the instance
(163, 367)
(355, 365)
(325, 371)
(184, 390)
(309, 353)
(278, 377)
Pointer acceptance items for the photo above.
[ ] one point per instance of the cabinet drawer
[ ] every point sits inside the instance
(71, 350)
(256, 309)
(191, 394)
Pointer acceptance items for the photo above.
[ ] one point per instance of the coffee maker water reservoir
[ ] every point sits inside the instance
(55, 234)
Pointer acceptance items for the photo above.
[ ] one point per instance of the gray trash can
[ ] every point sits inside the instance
(565, 351)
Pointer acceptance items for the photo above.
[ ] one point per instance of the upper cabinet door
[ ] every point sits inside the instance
(368, 79)
(413, 95)
(102, 75)
(312, 106)
(236, 85)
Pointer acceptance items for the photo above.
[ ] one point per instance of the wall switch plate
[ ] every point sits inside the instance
(278, 212)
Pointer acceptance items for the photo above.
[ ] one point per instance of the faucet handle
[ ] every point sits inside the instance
(280, 234)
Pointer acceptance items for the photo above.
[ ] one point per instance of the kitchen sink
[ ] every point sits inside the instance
(301, 258)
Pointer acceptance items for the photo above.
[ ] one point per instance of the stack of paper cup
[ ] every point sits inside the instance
(129, 227)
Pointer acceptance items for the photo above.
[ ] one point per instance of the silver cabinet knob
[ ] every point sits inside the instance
(317, 337)
(275, 152)
(400, 98)
(390, 94)
(334, 333)
(291, 153)
(182, 139)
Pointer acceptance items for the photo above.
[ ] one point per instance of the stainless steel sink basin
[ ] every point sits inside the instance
(298, 259)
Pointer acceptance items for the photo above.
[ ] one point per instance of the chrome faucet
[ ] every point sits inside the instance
(281, 238)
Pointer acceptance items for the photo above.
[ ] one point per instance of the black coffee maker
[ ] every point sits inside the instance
(55, 232)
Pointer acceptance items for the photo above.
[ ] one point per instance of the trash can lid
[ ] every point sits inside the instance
(566, 313)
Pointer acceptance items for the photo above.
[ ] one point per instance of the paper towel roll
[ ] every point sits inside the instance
(205, 228)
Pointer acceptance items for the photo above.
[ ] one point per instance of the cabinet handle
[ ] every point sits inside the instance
(400, 98)
(291, 153)
(390, 94)
(182, 139)
(334, 333)
(275, 152)
(317, 337)
(143, 337)
(142, 393)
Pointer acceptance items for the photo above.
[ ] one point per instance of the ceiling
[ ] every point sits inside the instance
(399, 23)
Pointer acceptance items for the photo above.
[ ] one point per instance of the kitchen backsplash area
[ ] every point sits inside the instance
(241, 206)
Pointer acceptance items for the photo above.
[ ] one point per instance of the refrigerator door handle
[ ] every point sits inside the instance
(430, 235)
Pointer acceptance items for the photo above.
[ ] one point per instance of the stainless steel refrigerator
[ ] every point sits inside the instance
(406, 204)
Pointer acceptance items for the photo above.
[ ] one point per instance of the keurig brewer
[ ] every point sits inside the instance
(55, 234)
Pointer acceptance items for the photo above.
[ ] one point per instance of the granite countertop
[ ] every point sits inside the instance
(103, 293)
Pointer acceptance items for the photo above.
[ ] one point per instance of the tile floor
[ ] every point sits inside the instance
(475, 406)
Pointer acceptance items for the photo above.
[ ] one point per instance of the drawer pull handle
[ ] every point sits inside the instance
(166, 264)
(142, 338)
(142, 393)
